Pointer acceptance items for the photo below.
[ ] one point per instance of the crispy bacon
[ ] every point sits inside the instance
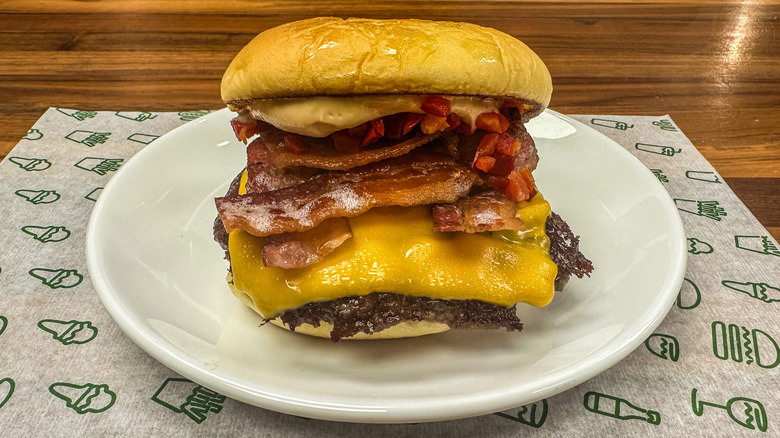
(487, 211)
(408, 180)
(327, 157)
(264, 177)
(296, 250)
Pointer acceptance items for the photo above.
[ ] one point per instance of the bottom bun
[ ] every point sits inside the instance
(406, 329)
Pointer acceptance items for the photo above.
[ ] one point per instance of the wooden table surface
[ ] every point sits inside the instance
(713, 66)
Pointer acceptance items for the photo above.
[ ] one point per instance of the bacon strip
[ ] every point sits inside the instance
(296, 250)
(408, 180)
(321, 157)
(262, 176)
(488, 211)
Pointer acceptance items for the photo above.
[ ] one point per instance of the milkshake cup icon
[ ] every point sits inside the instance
(57, 278)
(189, 116)
(689, 296)
(702, 175)
(696, 246)
(77, 114)
(89, 138)
(615, 124)
(143, 138)
(138, 116)
(6, 390)
(533, 414)
(708, 209)
(38, 196)
(31, 164)
(668, 151)
(33, 134)
(619, 408)
(744, 411)
(47, 234)
(84, 399)
(664, 124)
(759, 244)
(69, 332)
(740, 344)
(101, 166)
(185, 396)
(759, 291)
(663, 346)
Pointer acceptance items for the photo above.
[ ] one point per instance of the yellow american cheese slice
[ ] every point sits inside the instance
(394, 249)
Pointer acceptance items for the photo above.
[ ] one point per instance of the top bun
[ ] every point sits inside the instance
(331, 56)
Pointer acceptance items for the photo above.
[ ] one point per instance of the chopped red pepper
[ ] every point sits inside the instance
(412, 119)
(492, 122)
(464, 129)
(378, 125)
(521, 185)
(394, 125)
(485, 163)
(505, 144)
(453, 120)
(294, 144)
(372, 135)
(504, 164)
(436, 105)
(486, 146)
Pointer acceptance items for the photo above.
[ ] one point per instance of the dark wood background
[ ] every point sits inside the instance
(713, 66)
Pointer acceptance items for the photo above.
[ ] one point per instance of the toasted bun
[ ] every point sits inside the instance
(333, 56)
(403, 330)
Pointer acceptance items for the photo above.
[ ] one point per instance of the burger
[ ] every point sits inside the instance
(388, 189)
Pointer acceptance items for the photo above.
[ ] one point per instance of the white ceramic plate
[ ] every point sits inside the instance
(162, 278)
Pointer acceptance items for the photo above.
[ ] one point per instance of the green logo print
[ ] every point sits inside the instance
(702, 175)
(696, 246)
(33, 134)
(189, 116)
(742, 345)
(138, 116)
(759, 291)
(533, 414)
(664, 124)
(38, 196)
(660, 175)
(84, 399)
(744, 411)
(69, 332)
(101, 166)
(708, 209)
(31, 164)
(185, 396)
(615, 124)
(663, 346)
(3, 323)
(668, 151)
(57, 278)
(143, 138)
(89, 138)
(619, 408)
(759, 244)
(47, 234)
(94, 194)
(78, 115)
(689, 296)
(6, 390)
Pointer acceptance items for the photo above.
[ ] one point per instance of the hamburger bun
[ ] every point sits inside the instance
(336, 57)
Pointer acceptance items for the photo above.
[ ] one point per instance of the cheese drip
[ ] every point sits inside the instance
(394, 249)
(321, 116)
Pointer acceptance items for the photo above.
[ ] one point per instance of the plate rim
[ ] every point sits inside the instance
(172, 356)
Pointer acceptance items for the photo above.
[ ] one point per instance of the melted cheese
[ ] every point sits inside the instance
(394, 249)
(323, 115)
